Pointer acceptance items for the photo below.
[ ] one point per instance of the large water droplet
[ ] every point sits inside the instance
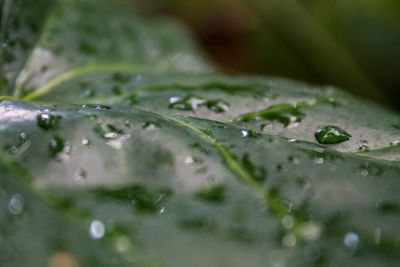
(331, 135)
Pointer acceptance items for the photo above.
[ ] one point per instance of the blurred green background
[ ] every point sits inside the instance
(353, 44)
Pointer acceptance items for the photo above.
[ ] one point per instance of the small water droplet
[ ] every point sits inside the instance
(331, 135)
(319, 161)
(212, 194)
(97, 229)
(292, 140)
(162, 211)
(188, 160)
(56, 145)
(364, 172)
(288, 222)
(89, 93)
(289, 241)
(80, 175)
(395, 143)
(85, 141)
(16, 204)
(351, 240)
(245, 133)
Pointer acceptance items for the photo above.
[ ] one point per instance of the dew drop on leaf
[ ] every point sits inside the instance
(213, 194)
(16, 204)
(47, 122)
(56, 145)
(331, 135)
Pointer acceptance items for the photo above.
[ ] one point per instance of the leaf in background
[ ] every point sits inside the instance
(139, 167)
(21, 24)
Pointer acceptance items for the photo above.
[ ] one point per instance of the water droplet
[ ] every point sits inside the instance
(212, 194)
(97, 229)
(188, 160)
(289, 241)
(80, 175)
(351, 240)
(364, 172)
(56, 145)
(89, 93)
(85, 141)
(292, 140)
(47, 121)
(395, 143)
(288, 222)
(98, 107)
(16, 204)
(310, 231)
(319, 160)
(162, 211)
(286, 114)
(245, 133)
(331, 135)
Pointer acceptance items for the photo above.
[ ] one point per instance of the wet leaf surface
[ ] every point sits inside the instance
(108, 159)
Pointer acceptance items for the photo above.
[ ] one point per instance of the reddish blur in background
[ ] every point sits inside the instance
(353, 44)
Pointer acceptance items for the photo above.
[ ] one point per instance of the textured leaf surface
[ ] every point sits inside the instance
(112, 156)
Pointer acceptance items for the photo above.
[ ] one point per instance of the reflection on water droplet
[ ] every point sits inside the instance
(16, 204)
(351, 240)
(289, 241)
(292, 140)
(162, 211)
(331, 135)
(174, 99)
(85, 141)
(245, 133)
(97, 229)
(188, 160)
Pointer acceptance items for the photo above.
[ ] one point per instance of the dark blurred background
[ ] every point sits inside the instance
(353, 44)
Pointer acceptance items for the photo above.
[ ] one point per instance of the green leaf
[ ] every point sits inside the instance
(115, 154)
